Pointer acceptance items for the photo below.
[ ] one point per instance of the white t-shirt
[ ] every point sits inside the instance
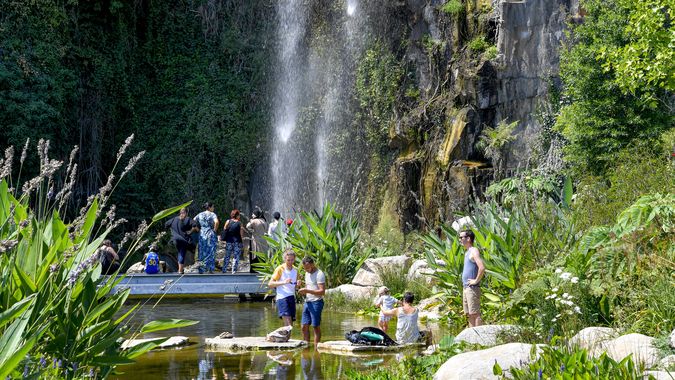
(312, 281)
(281, 274)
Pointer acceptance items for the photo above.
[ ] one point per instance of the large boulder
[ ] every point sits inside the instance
(421, 269)
(667, 362)
(477, 365)
(461, 223)
(353, 292)
(640, 346)
(369, 273)
(485, 335)
(594, 339)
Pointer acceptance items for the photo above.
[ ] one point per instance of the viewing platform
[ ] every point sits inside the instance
(175, 285)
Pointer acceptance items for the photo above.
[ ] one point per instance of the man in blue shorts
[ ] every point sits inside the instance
(285, 279)
(315, 288)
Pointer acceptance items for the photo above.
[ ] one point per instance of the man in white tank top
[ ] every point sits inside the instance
(285, 280)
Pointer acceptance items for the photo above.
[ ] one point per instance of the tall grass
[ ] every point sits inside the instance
(55, 305)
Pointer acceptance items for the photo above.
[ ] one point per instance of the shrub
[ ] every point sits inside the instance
(479, 44)
(330, 238)
(453, 7)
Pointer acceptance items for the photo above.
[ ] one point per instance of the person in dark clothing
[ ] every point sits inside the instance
(108, 258)
(182, 227)
(232, 236)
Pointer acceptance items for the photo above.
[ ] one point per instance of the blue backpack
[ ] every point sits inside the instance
(152, 263)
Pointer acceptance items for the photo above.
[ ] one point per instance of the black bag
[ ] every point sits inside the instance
(360, 339)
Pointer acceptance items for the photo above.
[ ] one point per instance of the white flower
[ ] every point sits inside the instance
(554, 319)
(557, 315)
(566, 276)
(554, 289)
(558, 270)
(575, 280)
(565, 295)
(577, 309)
(569, 312)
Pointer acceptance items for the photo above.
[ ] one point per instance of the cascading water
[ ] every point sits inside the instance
(314, 73)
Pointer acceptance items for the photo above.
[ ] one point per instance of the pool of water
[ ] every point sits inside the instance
(245, 319)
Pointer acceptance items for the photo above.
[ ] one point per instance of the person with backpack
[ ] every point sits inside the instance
(152, 261)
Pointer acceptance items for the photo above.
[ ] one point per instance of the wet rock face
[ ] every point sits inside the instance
(530, 36)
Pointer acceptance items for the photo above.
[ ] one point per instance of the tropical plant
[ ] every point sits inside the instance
(493, 140)
(565, 363)
(330, 238)
(56, 307)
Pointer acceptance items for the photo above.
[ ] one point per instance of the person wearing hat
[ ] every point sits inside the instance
(385, 302)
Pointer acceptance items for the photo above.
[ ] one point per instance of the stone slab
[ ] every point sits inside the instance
(251, 343)
(343, 346)
(174, 341)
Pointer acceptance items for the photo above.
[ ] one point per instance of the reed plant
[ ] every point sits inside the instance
(59, 315)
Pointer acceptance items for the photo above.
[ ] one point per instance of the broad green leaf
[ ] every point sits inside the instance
(169, 211)
(144, 347)
(166, 324)
(16, 309)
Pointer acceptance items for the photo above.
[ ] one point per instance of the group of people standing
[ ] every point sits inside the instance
(232, 236)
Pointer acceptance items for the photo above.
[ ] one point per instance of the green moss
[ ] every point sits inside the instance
(479, 44)
(453, 7)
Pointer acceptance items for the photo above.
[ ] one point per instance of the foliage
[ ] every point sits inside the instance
(397, 280)
(479, 44)
(532, 185)
(598, 119)
(59, 317)
(330, 238)
(188, 78)
(378, 76)
(632, 263)
(599, 200)
(492, 142)
(453, 7)
(564, 363)
(647, 59)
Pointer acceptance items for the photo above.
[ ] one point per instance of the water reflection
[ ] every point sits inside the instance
(244, 319)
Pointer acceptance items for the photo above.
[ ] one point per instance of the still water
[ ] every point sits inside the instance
(216, 315)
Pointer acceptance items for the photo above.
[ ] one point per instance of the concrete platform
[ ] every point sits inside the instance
(250, 343)
(346, 347)
(160, 284)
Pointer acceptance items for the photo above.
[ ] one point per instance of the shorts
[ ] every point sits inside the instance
(471, 300)
(286, 307)
(311, 313)
(384, 318)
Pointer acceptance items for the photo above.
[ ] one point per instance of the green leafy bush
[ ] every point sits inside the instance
(330, 238)
(479, 44)
(453, 7)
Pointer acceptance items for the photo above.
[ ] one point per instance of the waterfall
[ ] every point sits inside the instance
(313, 76)
(291, 19)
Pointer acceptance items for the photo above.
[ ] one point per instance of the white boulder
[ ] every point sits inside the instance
(477, 365)
(594, 339)
(354, 292)
(369, 273)
(640, 346)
